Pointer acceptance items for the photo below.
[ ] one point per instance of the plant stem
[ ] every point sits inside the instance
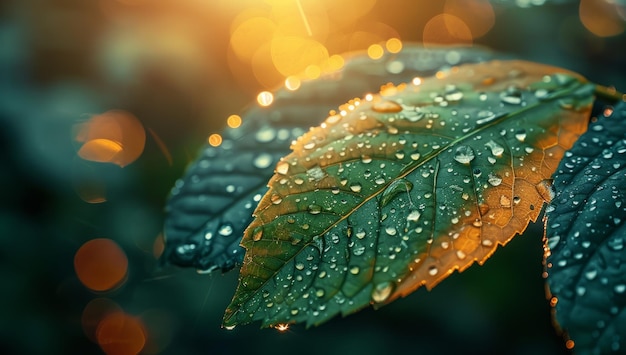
(609, 93)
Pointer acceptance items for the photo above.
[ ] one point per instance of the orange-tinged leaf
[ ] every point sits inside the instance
(407, 187)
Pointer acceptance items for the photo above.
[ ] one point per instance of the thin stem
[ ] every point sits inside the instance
(609, 93)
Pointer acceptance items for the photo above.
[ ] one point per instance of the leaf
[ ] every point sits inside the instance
(211, 205)
(586, 232)
(409, 186)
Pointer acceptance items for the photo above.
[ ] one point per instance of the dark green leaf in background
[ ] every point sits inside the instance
(405, 187)
(210, 206)
(586, 233)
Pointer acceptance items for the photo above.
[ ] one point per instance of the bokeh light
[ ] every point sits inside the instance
(93, 313)
(121, 334)
(601, 17)
(101, 264)
(233, 121)
(113, 137)
(265, 98)
(292, 83)
(446, 29)
(393, 45)
(477, 15)
(215, 140)
(375, 51)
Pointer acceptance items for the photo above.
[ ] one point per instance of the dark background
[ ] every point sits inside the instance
(57, 69)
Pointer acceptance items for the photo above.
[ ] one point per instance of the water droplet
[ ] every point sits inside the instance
(382, 291)
(387, 107)
(400, 154)
(616, 243)
(520, 135)
(319, 292)
(494, 179)
(460, 254)
(299, 266)
(415, 156)
(485, 116)
(620, 288)
(477, 223)
(229, 327)
(315, 209)
(355, 187)
(432, 270)
(391, 231)
(309, 146)
(316, 173)
(276, 199)
(359, 250)
(263, 161)
(505, 201)
(546, 189)
(591, 274)
(366, 159)
(452, 94)
(282, 168)
(379, 180)
(258, 233)
(512, 96)
(464, 154)
(496, 149)
(225, 230)
(354, 270)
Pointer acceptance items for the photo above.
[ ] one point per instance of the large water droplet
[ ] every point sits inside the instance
(494, 179)
(485, 116)
(616, 243)
(413, 216)
(387, 107)
(512, 96)
(453, 94)
(496, 149)
(257, 234)
(464, 154)
(282, 168)
(520, 135)
(225, 230)
(315, 209)
(355, 187)
(276, 199)
(382, 291)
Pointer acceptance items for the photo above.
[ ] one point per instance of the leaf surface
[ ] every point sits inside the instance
(585, 232)
(210, 206)
(409, 186)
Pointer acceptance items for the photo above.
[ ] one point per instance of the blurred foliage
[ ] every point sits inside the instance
(167, 63)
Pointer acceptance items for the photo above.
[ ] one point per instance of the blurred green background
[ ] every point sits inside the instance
(175, 66)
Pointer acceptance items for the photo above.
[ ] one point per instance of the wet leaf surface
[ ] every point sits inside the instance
(405, 188)
(210, 206)
(586, 232)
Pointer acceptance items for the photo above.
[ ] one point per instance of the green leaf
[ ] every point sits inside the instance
(586, 232)
(210, 206)
(407, 187)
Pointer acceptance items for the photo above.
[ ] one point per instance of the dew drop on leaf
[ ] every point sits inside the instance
(382, 291)
(464, 154)
(387, 107)
(315, 209)
(512, 96)
(282, 168)
(355, 187)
